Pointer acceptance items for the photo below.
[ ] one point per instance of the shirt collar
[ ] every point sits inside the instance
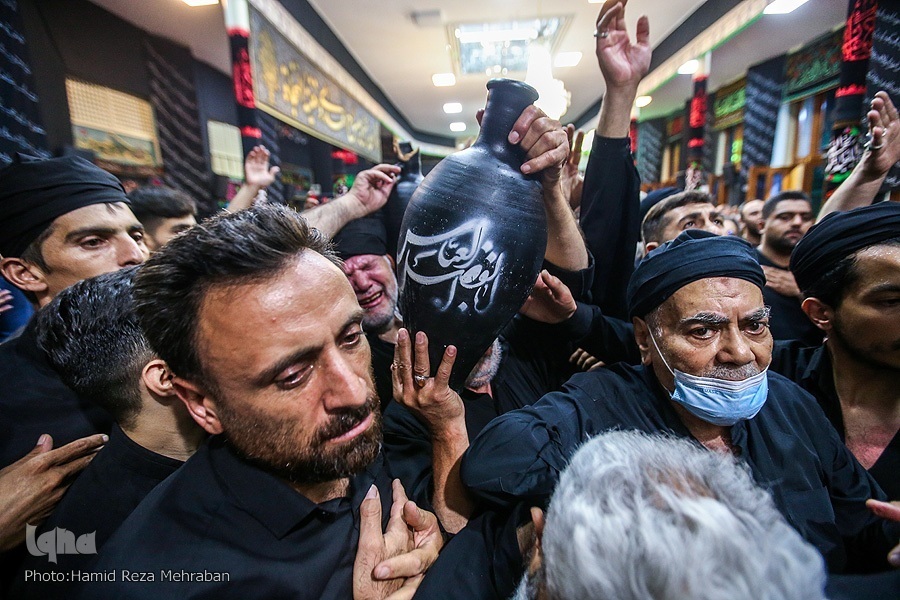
(270, 500)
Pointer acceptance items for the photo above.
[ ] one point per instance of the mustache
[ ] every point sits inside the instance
(345, 421)
(727, 373)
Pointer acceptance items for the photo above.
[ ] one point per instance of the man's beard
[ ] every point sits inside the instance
(379, 322)
(274, 445)
(486, 368)
(867, 356)
(784, 244)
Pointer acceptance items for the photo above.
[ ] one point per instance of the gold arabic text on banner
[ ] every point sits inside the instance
(288, 86)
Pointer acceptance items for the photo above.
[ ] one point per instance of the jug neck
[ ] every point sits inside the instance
(507, 98)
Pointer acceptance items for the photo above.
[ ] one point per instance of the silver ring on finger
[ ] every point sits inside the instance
(420, 380)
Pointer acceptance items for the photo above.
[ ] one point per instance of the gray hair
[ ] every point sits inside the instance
(649, 516)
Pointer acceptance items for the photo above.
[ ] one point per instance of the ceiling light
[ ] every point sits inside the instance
(554, 98)
(690, 67)
(457, 126)
(486, 36)
(643, 101)
(451, 108)
(200, 2)
(567, 59)
(783, 7)
(443, 79)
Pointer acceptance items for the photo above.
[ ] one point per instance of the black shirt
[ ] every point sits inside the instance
(33, 400)
(246, 532)
(789, 446)
(787, 321)
(811, 369)
(610, 219)
(99, 500)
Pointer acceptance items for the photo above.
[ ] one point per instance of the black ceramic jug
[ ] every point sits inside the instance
(410, 177)
(473, 239)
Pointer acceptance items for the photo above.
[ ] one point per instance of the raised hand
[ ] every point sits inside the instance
(257, 172)
(545, 144)
(883, 151)
(622, 62)
(372, 187)
(550, 301)
(571, 179)
(429, 398)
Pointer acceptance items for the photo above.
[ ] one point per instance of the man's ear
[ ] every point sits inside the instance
(537, 518)
(157, 378)
(24, 275)
(650, 247)
(201, 407)
(642, 337)
(821, 314)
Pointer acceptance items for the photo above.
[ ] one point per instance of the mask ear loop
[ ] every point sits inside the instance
(658, 351)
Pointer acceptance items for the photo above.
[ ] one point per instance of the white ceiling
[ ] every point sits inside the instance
(401, 57)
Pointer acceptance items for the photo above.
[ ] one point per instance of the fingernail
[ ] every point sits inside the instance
(105, 438)
(420, 337)
(451, 350)
(514, 137)
(372, 493)
(894, 559)
(382, 572)
(42, 439)
(526, 168)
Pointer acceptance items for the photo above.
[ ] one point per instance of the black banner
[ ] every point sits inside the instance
(20, 124)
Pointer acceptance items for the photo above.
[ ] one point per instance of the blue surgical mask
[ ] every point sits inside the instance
(719, 401)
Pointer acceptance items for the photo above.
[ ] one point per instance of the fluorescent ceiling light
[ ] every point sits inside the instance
(200, 2)
(443, 79)
(457, 126)
(451, 108)
(642, 101)
(783, 7)
(567, 59)
(690, 67)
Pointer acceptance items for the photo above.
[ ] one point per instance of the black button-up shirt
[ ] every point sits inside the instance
(789, 446)
(222, 528)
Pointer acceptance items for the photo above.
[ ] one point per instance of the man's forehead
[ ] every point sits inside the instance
(360, 260)
(101, 214)
(714, 294)
(792, 206)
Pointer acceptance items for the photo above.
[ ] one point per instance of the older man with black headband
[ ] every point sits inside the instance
(61, 220)
(701, 326)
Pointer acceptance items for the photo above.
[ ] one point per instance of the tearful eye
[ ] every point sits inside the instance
(294, 378)
(353, 338)
(757, 327)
